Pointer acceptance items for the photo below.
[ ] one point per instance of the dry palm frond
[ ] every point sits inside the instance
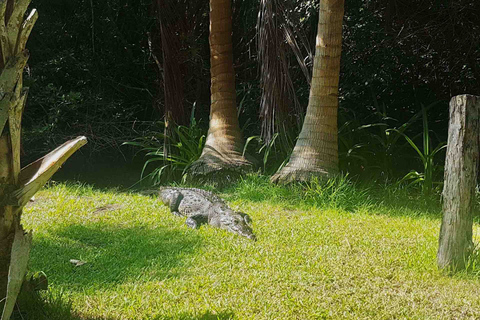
(175, 46)
(166, 43)
(171, 47)
(279, 98)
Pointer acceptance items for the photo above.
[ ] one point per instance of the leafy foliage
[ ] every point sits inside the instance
(170, 155)
(426, 155)
(374, 147)
(178, 45)
(89, 73)
(273, 156)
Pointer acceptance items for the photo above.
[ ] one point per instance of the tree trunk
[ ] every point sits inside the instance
(316, 150)
(17, 186)
(461, 168)
(13, 57)
(224, 145)
(7, 230)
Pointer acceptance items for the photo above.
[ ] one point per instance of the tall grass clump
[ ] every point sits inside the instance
(256, 188)
(338, 192)
(397, 199)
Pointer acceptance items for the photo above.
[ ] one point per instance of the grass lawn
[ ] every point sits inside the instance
(323, 252)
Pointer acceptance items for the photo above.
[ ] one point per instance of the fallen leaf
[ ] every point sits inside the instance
(77, 263)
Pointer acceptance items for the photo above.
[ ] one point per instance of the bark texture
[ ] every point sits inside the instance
(461, 169)
(224, 145)
(14, 32)
(17, 185)
(18, 265)
(316, 150)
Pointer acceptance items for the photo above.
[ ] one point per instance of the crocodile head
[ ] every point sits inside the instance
(234, 221)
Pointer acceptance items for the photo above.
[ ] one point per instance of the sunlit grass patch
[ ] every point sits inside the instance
(338, 192)
(322, 253)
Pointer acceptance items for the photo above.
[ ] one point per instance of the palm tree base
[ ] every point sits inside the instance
(290, 174)
(216, 167)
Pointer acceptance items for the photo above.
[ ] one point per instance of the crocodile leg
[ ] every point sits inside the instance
(196, 220)
(176, 213)
(175, 199)
(246, 217)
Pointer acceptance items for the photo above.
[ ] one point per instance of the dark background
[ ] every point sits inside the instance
(92, 72)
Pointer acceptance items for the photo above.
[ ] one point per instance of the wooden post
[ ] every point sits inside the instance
(461, 167)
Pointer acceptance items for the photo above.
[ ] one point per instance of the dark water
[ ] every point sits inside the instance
(102, 171)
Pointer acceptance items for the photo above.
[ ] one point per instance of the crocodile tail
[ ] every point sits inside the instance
(149, 192)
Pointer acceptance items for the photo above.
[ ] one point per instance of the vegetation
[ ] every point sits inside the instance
(358, 243)
(337, 250)
(170, 155)
(93, 71)
(426, 155)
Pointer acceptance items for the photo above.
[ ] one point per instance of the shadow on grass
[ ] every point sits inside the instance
(35, 306)
(340, 193)
(113, 255)
(395, 201)
(48, 306)
(205, 316)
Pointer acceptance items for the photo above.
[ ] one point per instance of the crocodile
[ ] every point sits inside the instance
(201, 206)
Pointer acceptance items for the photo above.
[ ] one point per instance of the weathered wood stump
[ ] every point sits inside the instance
(461, 167)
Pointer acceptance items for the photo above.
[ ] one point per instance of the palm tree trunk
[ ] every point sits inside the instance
(224, 145)
(316, 150)
(17, 185)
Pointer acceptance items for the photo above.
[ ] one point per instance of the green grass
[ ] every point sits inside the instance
(324, 251)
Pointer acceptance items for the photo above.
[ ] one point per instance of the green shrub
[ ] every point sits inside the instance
(170, 155)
